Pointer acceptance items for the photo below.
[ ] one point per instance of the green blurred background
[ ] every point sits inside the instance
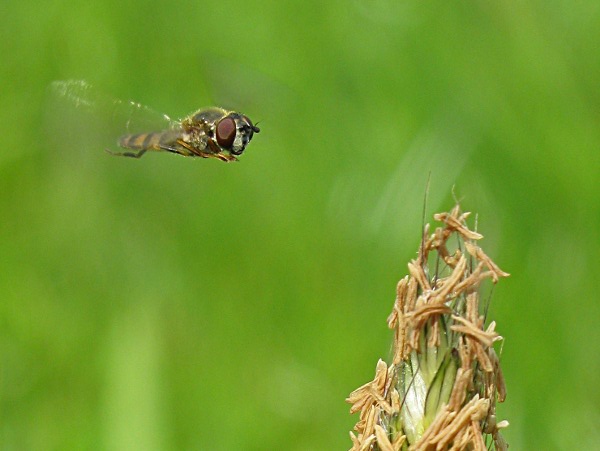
(173, 303)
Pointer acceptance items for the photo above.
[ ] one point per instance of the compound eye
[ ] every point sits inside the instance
(226, 131)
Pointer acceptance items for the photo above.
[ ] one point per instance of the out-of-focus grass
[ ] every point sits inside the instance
(170, 303)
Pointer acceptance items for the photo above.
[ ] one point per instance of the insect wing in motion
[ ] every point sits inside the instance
(97, 117)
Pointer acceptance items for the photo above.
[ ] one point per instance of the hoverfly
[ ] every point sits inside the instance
(207, 133)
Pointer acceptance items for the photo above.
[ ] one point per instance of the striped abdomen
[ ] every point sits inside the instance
(152, 140)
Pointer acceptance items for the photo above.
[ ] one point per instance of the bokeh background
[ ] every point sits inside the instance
(173, 303)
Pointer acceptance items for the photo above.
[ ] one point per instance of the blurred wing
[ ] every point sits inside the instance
(84, 116)
(239, 87)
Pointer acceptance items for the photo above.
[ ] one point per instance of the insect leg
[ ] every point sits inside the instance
(225, 158)
(193, 151)
(216, 153)
(172, 149)
(127, 154)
